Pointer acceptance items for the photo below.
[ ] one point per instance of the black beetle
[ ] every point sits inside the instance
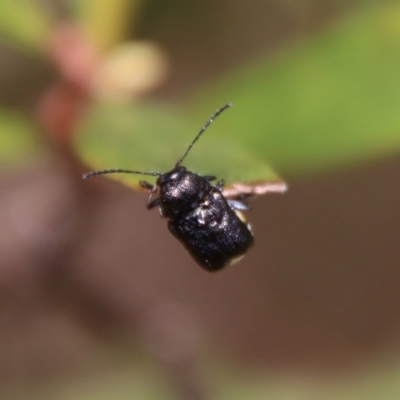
(210, 226)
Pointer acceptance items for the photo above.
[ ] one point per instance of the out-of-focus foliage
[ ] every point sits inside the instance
(377, 383)
(17, 139)
(328, 101)
(25, 24)
(106, 22)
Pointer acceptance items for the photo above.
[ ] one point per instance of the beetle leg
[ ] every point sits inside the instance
(152, 204)
(146, 185)
(238, 205)
(220, 185)
(210, 178)
(244, 196)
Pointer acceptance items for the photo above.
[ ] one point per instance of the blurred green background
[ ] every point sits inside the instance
(98, 300)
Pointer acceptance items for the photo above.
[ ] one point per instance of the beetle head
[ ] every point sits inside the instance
(181, 191)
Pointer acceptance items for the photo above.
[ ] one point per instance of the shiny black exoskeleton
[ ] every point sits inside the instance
(202, 218)
(209, 225)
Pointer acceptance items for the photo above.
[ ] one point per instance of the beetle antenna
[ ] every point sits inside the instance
(206, 125)
(116, 171)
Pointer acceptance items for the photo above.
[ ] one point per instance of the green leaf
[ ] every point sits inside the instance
(150, 138)
(327, 102)
(17, 137)
(24, 23)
